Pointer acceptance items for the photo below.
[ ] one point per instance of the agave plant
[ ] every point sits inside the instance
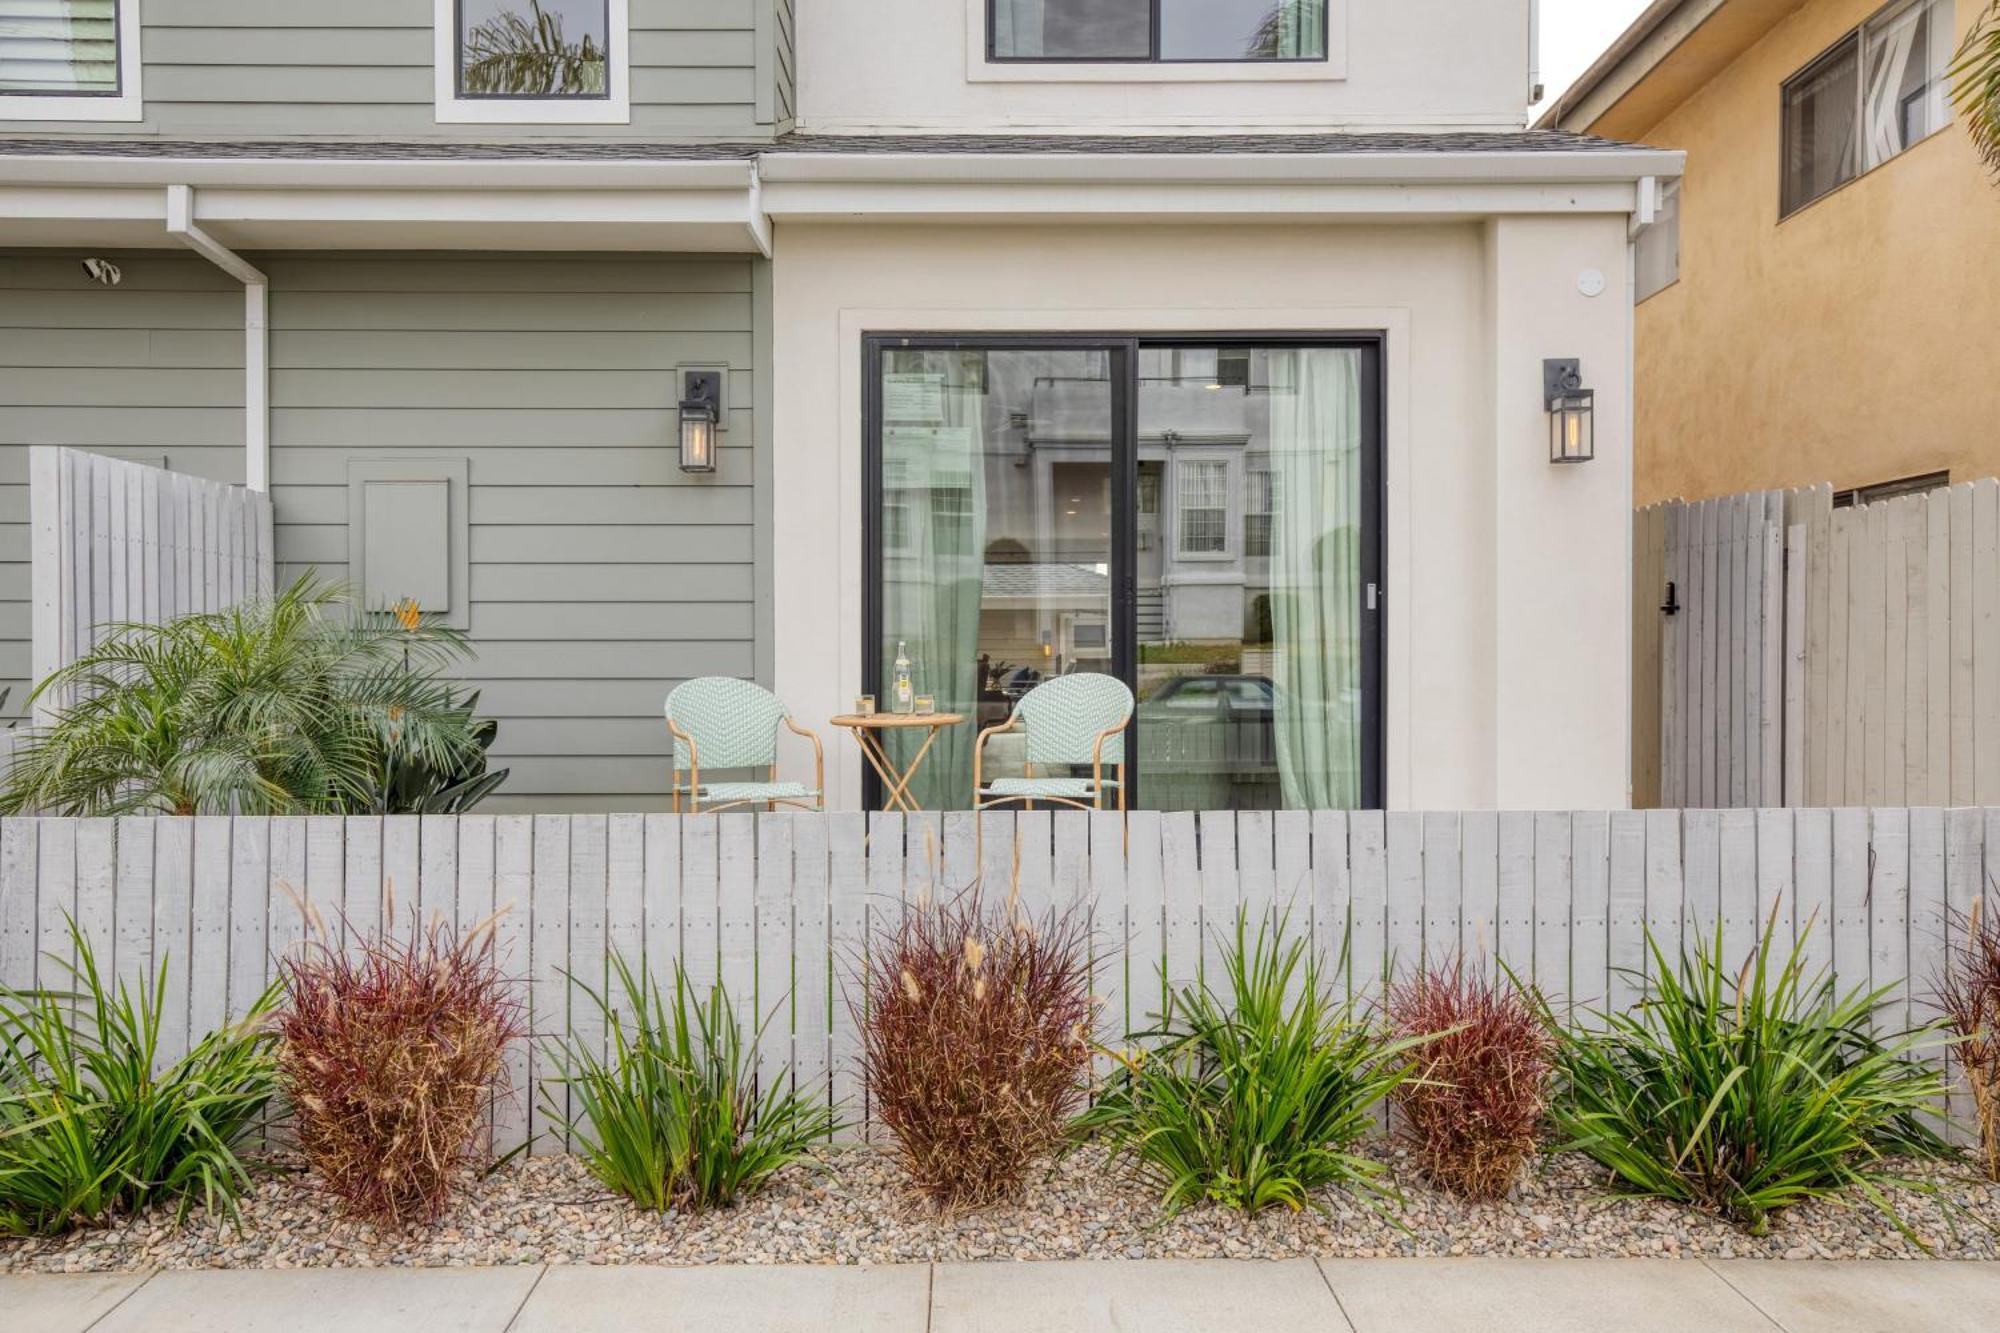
(1976, 84)
(290, 705)
(526, 55)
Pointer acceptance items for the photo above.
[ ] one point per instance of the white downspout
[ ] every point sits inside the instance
(256, 332)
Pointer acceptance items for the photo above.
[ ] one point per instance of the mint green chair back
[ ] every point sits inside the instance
(734, 723)
(1064, 717)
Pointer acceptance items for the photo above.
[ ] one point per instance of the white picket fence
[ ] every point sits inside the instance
(115, 542)
(777, 907)
(1818, 656)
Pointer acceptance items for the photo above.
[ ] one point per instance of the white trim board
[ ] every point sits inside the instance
(452, 109)
(1399, 514)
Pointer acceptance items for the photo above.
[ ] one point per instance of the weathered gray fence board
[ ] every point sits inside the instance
(1820, 656)
(112, 542)
(780, 907)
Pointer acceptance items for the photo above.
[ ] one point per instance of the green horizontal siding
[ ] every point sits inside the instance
(600, 574)
(363, 68)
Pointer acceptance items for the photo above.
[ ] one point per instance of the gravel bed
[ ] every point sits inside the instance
(853, 1208)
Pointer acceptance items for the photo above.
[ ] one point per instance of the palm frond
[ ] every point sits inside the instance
(293, 704)
(1976, 85)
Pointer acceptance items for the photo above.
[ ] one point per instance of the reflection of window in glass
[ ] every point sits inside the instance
(59, 48)
(1877, 92)
(1149, 493)
(1906, 53)
(895, 524)
(1157, 30)
(1257, 514)
(534, 48)
(950, 506)
(1202, 491)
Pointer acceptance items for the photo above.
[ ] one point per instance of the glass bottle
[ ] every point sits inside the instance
(906, 689)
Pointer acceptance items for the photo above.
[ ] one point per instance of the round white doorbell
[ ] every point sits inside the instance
(1590, 282)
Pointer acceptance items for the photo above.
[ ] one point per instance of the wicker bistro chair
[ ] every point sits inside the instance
(1068, 722)
(719, 722)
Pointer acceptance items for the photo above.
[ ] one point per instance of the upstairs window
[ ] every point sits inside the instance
(533, 61)
(69, 60)
(1879, 91)
(1156, 31)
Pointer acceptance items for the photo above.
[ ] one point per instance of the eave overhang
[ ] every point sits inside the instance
(728, 204)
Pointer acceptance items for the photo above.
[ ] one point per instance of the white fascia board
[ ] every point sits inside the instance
(262, 203)
(995, 202)
(82, 204)
(1414, 168)
(391, 174)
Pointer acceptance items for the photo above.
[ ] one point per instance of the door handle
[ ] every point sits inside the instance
(1373, 597)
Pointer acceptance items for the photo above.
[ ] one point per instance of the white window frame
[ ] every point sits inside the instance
(129, 104)
(1333, 69)
(614, 109)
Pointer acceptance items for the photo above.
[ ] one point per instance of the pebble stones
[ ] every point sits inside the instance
(853, 1207)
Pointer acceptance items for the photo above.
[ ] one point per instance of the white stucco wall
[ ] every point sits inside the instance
(896, 65)
(1508, 585)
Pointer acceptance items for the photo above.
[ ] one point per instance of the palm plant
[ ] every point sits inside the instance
(1976, 84)
(289, 705)
(526, 55)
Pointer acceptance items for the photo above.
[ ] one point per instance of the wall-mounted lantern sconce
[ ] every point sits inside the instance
(1572, 428)
(701, 419)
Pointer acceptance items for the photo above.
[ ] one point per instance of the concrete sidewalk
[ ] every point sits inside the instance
(1388, 1296)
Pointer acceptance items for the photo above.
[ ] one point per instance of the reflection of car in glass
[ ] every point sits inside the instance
(1213, 720)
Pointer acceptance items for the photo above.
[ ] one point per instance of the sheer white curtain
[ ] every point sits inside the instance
(934, 563)
(1017, 27)
(1316, 462)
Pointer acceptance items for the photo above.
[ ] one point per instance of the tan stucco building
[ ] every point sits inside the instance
(1830, 311)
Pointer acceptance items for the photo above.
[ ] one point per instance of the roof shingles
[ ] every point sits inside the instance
(1508, 141)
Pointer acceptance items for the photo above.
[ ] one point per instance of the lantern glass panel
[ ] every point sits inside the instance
(698, 438)
(1572, 429)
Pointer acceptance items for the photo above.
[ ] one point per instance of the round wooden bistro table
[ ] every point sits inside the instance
(869, 728)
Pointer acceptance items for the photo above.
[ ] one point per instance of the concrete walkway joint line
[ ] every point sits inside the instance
(1165, 1296)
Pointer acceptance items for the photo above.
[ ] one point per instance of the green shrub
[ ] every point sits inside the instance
(1747, 1092)
(1259, 1103)
(296, 704)
(673, 1118)
(88, 1130)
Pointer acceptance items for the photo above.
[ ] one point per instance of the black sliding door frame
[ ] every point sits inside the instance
(1124, 349)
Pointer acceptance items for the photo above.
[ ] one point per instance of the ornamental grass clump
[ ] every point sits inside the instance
(976, 1043)
(1257, 1086)
(92, 1127)
(1477, 1085)
(671, 1116)
(1970, 998)
(393, 1054)
(1745, 1092)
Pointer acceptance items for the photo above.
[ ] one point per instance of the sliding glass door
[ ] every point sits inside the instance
(1200, 519)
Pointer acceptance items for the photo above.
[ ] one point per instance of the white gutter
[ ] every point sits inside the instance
(256, 332)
